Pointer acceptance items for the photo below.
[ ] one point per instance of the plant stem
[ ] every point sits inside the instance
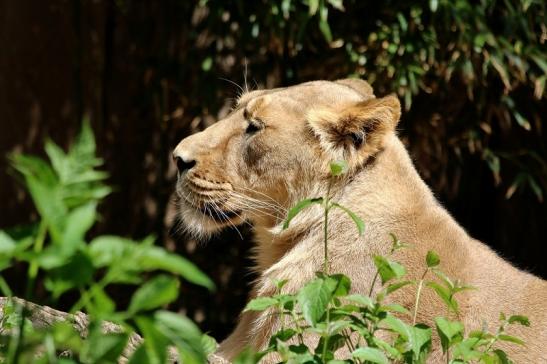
(297, 326)
(325, 229)
(33, 267)
(86, 295)
(418, 293)
(326, 257)
(373, 283)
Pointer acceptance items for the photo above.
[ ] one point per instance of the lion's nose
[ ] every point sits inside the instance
(183, 164)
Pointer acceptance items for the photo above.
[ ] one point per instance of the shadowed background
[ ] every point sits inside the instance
(471, 77)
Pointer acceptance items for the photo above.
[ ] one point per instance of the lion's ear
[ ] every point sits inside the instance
(358, 130)
(359, 85)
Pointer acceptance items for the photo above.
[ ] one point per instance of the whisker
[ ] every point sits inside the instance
(235, 84)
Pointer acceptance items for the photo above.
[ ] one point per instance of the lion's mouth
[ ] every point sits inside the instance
(214, 212)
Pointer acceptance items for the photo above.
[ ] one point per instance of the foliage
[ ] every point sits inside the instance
(66, 191)
(355, 323)
(476, 67)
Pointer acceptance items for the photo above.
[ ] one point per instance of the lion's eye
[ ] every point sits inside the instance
(253, 127)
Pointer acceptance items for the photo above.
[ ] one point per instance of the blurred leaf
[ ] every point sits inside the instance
(313, 5)
(78, 222)
(155, 258)
(338, 168)
(7, 247)
(106, 347)
(206, 64)
(395, 286)
(523, 320)
(157, 292)
(155, 344)
(185, 335)
(509, 338)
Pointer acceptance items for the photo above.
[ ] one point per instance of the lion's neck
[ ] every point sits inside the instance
(387, 194)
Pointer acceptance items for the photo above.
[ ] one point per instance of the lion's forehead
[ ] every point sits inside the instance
(305, 95)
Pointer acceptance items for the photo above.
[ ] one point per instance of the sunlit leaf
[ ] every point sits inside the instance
(299, 207)
(313, 299)
(260, 304)
(360, 224)
(388, 269)
(432, 259)
(371, 355)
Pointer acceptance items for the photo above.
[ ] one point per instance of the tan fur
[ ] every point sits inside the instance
(257, 176)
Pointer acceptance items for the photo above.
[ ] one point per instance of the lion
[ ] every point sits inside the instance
(274, 149)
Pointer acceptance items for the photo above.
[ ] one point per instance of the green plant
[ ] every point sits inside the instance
(66, 191)
(355, 323)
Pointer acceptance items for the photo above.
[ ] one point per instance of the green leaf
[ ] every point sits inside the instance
(299, 207)
(339, 284)
(7, 248)
(356, 219)
(75, 271)
(57, 158)
(207, 64)
(398, 326)
(152, 258)
(369, 354)
(155, 342)
(395, 286)
(522, 121)
(502, 356)
(283, 335)
(420, 340)
(107, 249)
(444, 294)
(432, 259)
(157, 292)
(106, 347)
(260, 304)
(132, 256)
(78, 222)
(388, 269)
(337, 4)
(359, 299)
(433, 5)
(523, 320)
(324, 27)
(313, 5)
(338, 168)
(84, 144)
(182, 332)
(209, 344)
(314, 298)
(393, 352)
(449, 332)
(395, 307)
(512, 339)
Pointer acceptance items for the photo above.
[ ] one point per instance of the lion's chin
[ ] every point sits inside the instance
(202, 225)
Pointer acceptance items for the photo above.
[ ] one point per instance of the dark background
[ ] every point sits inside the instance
(147, 73)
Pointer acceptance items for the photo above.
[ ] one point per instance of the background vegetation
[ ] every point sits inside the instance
(471, 75)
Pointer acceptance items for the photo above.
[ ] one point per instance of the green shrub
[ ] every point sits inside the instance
(66, 191)
(325, 307)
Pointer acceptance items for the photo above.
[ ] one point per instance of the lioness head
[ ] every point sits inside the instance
(274, 147)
